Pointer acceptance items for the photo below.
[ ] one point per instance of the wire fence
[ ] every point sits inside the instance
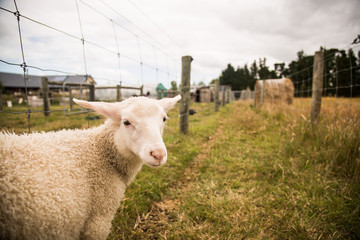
(327, 83)
(340, 83)
(341, 73)
(146, 58)
(148, 53)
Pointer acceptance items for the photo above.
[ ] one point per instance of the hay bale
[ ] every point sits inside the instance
(274, 91)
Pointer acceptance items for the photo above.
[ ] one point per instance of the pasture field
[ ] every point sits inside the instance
(243, 173)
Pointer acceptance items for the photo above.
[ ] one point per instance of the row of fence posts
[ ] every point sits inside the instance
(45, 91)
(185, 93)
(317, 88)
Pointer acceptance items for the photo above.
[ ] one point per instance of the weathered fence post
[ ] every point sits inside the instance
(223, 94)
(142, 90)
(70, 98)
(228, 93)
(185, 94)
(216, 99)
(317, 86)
(92, 92)
(45, 88)
(248, 93)
(118, 93)
(1, 99)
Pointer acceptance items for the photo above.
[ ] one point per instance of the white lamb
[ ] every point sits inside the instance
(68, 184)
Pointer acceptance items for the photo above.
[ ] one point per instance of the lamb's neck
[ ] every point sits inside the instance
(127, 166)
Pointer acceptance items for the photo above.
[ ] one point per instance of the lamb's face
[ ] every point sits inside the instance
(142, 129)
(140, 124)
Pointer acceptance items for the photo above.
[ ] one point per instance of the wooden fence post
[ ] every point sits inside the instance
(70, 98)
(92, 92)
(223, 94)
(228, 93)
(216, 99)
(118, 93)
(185, 94)
(45, 88)
(1, 99)
(317, 86)
(142, 90)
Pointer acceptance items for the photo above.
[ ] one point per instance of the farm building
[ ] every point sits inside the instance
(14, 83)
(204, 94)
(207, 93)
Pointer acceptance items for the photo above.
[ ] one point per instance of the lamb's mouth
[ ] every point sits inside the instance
(153, 165)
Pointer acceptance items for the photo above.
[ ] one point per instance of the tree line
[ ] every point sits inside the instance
(341, 73)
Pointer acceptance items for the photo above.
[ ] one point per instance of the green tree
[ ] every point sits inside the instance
(341, 73)
(264, 72)
(213, 81)
(173, 86)
(239, 79)
(279, 69)
(300, 72)
(228, 75)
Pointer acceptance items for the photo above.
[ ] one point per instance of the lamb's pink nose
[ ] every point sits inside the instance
(158, 154)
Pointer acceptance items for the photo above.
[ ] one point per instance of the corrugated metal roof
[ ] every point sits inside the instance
(14, 80)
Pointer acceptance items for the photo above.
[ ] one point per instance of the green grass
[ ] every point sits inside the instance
(263, 175)
(152, 184)
(56, 120)
(242, 173)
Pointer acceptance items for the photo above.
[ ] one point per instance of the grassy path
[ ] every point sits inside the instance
(219, 196)
(252, 178)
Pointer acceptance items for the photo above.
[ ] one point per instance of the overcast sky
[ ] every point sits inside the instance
(159, 32)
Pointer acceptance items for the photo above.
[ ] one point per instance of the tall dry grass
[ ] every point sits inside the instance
(334, 141)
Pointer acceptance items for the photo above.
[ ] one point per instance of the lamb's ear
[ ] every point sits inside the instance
(169, 103)
(109, 110)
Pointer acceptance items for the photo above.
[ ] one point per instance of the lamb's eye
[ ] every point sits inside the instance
(164, 119)
(127, 123)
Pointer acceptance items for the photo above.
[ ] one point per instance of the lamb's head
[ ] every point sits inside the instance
(139, 123)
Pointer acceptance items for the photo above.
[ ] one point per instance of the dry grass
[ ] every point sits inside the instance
(263, 175)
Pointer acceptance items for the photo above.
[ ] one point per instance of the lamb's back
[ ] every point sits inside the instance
(44, 184)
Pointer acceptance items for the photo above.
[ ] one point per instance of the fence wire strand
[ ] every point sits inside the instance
(23, 65)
